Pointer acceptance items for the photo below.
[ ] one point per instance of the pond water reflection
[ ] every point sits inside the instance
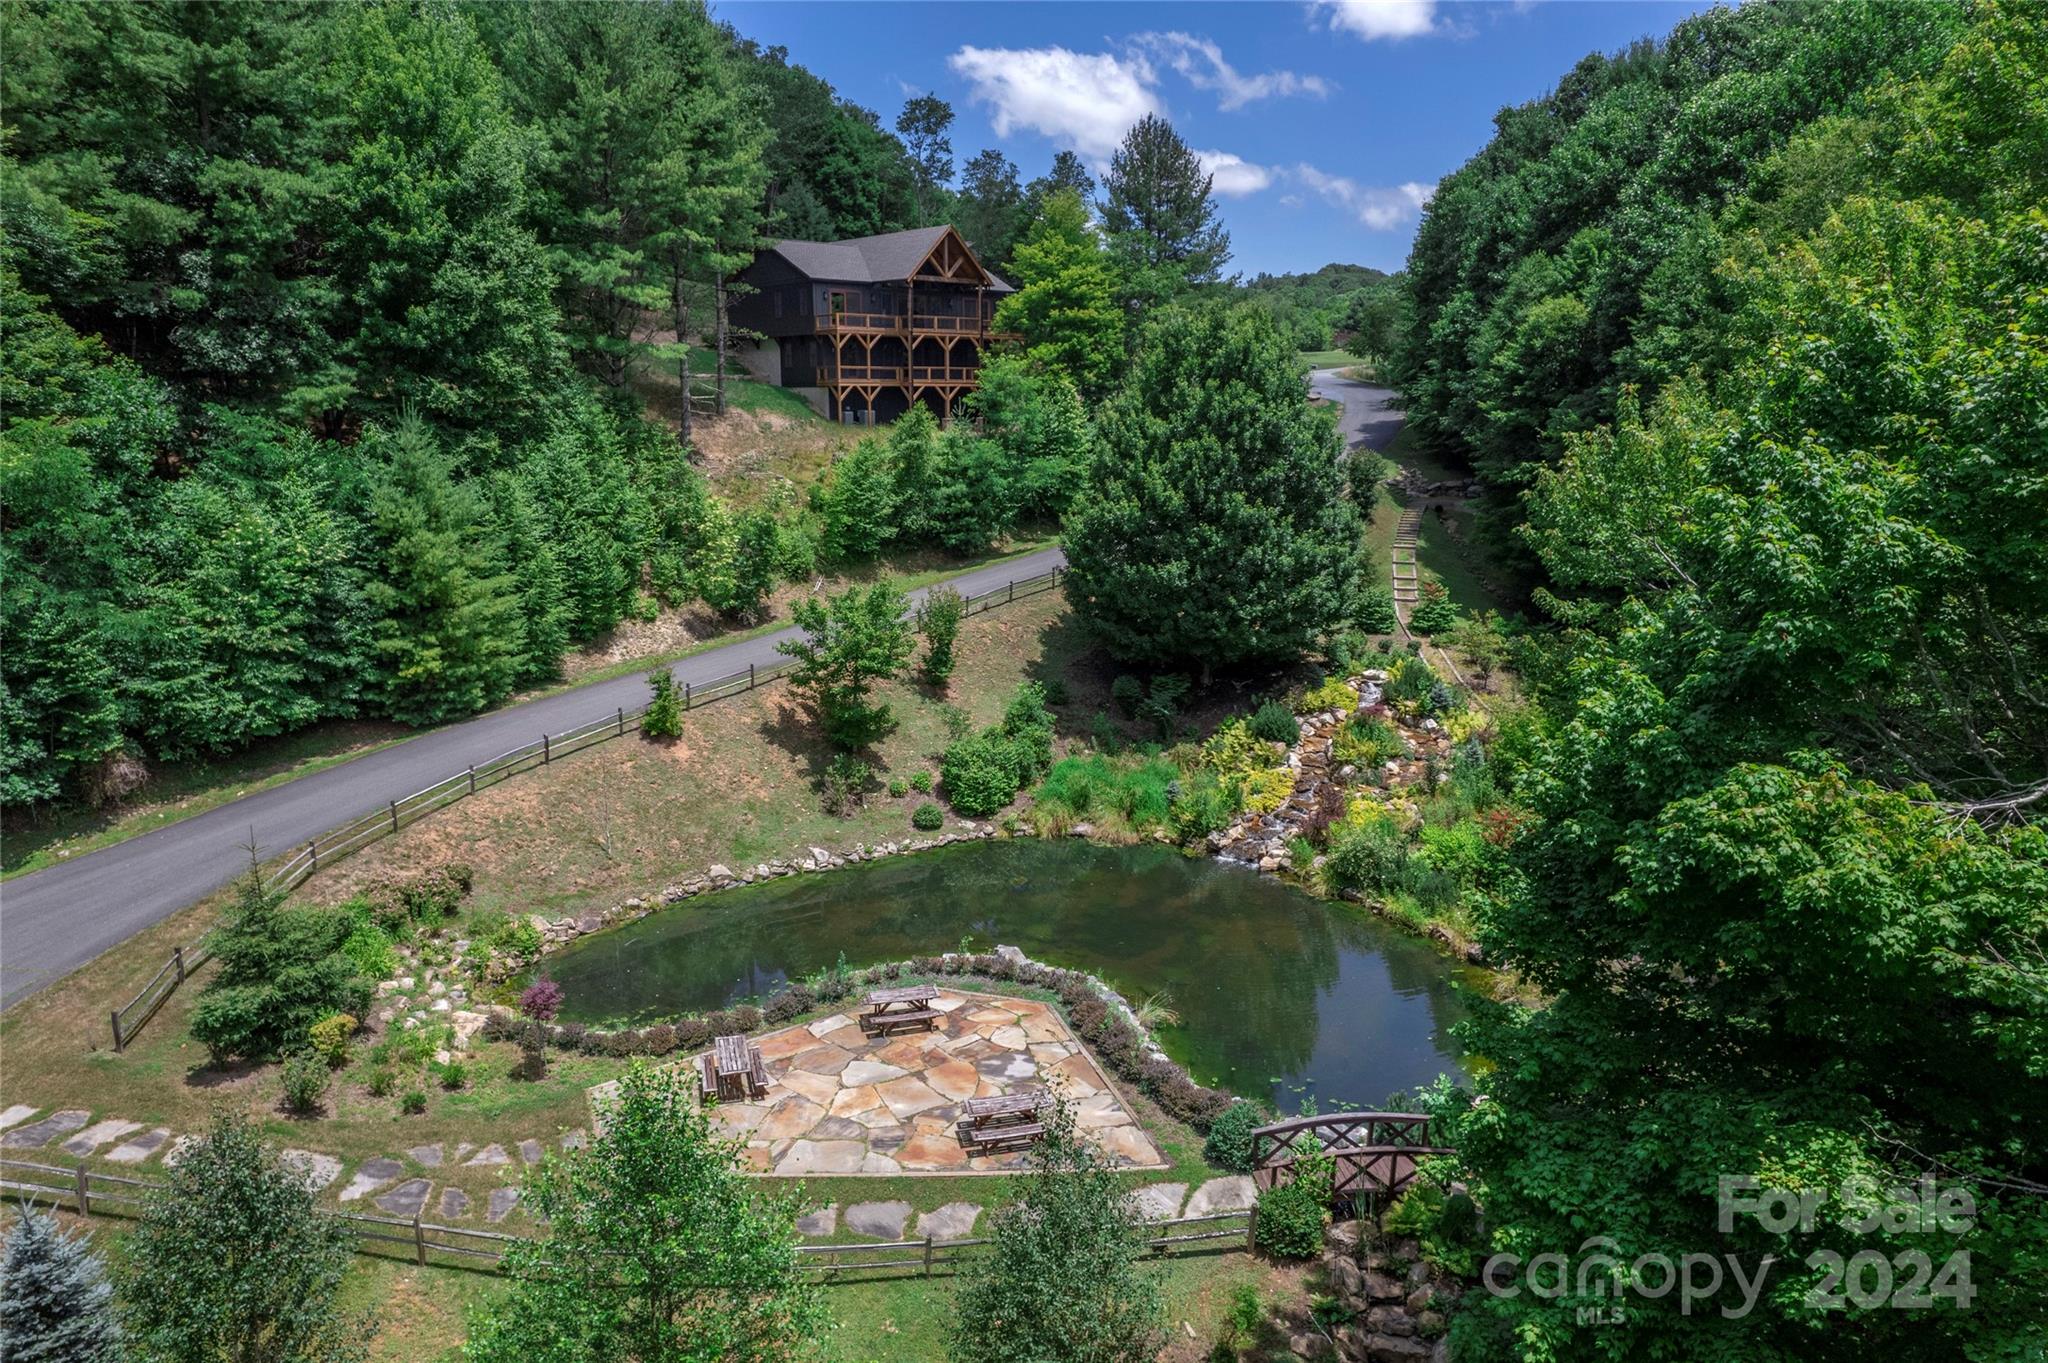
(1279, 994)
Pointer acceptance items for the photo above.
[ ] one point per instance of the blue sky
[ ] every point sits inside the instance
(1327, 122)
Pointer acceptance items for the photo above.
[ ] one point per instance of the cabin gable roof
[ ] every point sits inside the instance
(893, 257)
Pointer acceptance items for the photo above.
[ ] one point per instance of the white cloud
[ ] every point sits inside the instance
(1232, 176)
(1371, 19)
(1201, 63)
(1088, 101)
(1381, 208)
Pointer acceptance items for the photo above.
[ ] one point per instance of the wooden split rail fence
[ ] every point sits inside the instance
(352, 837)
(90, 1193)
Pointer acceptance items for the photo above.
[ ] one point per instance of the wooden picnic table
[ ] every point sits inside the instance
(890, 1009)
(732, 1070)
(1010, 1119)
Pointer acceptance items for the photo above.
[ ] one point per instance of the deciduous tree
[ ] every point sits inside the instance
(656, 1244)
(851, 641)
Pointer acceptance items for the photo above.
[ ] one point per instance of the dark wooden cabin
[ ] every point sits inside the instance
(874, 324)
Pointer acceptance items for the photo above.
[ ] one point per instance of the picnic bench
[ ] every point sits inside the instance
(890, 1010)
(988, 1124)
(732, 1070)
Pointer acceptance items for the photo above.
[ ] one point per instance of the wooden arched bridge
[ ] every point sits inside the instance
(1375, 1152)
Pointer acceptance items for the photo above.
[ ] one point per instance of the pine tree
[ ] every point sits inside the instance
(55, 1302)
(990, 209)
(923, 124)
(1160, 217)
(447, 637)
(1213, 525)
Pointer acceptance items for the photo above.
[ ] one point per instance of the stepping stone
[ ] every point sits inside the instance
(407, 1199)
(373, 1174)
(879, 1220)
(317, 1169)
(48, 1129)
(861, 1073)
(531, 1151)
(1158, 1201)
(503, 1200)
(493, 1153)
(139, 1148)
(575, 1140)
(820, 1223)
(176, 1154)
(461, 1149)
(454, 1203)
(426, 1156)
(954, 1221)
(97, 1135)
(16, 1115)
(1232, 1193)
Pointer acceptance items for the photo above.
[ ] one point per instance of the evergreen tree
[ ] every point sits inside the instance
(443, 293)
(55, 1302)
(232, 1261)
(922, 125)
(655, 1244)
(990, 209)
(282, 969)
(1066, 300)
(1160, 217)
(447, 635)
(1213, 526)
(1068, 172)
(1061, 1278)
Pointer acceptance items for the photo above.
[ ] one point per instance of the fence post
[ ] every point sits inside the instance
(313, 852)
(622, 721)
(84, 1193)
(1013, 592)
(394, 816)
(750, 676)
(178, 959)
(686, 695)
(1251, 1230)
(472, 778)
(927, 1252)
(419, 1240)
(118, 1043)
(547, 750)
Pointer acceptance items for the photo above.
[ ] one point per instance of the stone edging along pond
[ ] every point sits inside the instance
(1102, 1018)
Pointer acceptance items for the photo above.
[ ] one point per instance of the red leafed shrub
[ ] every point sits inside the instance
(542, 1000)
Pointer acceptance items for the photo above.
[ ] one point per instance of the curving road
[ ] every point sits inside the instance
(55, 920)
(1369, 417)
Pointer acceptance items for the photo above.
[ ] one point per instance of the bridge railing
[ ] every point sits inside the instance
(353, 836)
(1375, 1152)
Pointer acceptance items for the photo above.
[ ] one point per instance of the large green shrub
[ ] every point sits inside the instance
(305, 1081)
(1292, 1215)
(1274, 723)
(984, 771)
(1229, 1144)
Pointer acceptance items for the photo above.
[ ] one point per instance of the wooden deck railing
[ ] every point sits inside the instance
(359, 833)
(91, 1193)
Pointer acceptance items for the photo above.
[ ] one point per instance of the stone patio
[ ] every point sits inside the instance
(842, 1102)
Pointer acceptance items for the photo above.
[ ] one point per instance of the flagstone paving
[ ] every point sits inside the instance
(37, 1134)
(503, 1200)
(99, 1134)
(16, 1115)
(136, 1149)
(842, 1102)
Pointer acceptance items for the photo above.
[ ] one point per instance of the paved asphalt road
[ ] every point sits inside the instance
(57, 919)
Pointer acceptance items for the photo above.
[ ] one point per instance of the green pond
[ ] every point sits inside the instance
(1279, 994)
